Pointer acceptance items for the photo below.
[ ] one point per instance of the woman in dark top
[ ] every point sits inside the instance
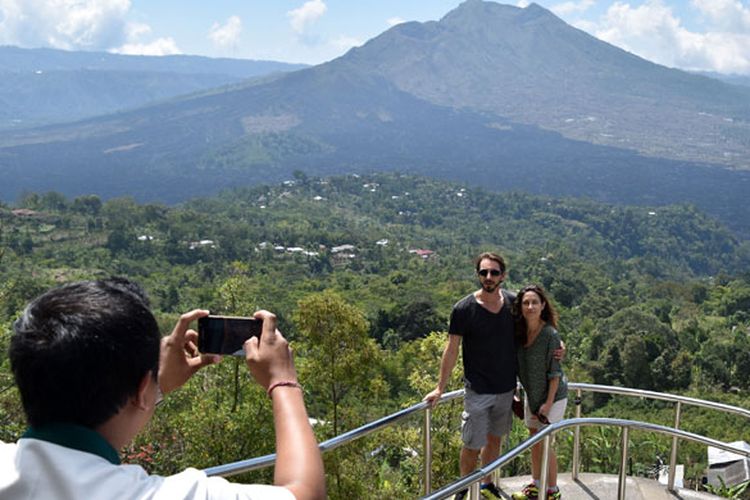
(544, 383)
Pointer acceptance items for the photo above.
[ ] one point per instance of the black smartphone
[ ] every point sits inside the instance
(226, 334)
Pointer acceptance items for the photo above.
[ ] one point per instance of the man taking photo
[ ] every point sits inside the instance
(91, 367)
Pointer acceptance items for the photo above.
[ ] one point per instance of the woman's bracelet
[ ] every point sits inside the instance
(283, 383)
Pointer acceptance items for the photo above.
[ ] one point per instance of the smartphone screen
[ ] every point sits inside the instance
(226, 334)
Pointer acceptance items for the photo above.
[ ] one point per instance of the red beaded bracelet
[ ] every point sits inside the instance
(283, 383)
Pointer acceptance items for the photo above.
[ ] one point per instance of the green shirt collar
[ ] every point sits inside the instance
(76, 437)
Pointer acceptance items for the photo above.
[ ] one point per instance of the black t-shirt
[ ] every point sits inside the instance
(488, 344)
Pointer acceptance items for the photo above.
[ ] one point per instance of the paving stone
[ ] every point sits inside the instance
(591, 486)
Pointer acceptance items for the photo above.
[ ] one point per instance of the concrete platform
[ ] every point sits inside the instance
(591, 486)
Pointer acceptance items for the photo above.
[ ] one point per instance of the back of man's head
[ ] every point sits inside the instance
(79, 351)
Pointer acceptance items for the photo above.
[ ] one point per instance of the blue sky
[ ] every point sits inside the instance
(711, 35)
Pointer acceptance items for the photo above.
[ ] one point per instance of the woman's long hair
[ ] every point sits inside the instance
(549, 313)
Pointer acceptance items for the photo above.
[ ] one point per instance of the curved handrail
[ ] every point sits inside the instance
(626, 391)
(241, 466)
(256, 463)
(478, 474)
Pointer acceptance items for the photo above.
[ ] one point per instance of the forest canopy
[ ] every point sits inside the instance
(653, 298)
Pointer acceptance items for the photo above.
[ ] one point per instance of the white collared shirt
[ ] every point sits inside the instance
(36, 469)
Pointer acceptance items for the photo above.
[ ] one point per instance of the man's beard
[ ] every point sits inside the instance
(490, 287)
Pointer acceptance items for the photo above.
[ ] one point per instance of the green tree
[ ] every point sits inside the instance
(340, 367)
(681, 370)
(29, 200)
(89, 204)
(170, 298)
(339, 361)
(638, 349)
(635, 363)
(410, 320)
(239, 293)
(53, 200)
(121, 241)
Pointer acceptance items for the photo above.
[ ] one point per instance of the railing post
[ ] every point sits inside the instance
(673, 453)
(577, 438)
(426, 434)
(544, 476)
(474, 491)
(495, 476)
(622, 480)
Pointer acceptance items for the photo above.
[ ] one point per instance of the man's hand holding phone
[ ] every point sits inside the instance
(269, 356)
(266, 351)
(179, 358)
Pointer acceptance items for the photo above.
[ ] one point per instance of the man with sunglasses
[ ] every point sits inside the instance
(484, 322)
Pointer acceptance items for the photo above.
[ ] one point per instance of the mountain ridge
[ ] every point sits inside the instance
(553, 75)
(39, 87)
(415, 99)
(18, 59)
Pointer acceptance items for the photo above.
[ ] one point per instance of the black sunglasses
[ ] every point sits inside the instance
(491, 272)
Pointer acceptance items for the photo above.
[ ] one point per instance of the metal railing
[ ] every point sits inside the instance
(472, 480)
(251, 464)
(624, 391)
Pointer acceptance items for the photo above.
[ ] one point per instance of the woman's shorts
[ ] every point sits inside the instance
(556, 413)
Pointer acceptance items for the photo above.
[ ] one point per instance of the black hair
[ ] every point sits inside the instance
(79, 351)
(548, 314)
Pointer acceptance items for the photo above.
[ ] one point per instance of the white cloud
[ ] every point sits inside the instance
(159, 47)
(567, 8)
(343, 42)
(310, 12)
(523, 3)
(652, 31)
(585, 25)
(725, 15)
(63, 24)
(228, 34)
(393, 21)
(78, 25)
(135, 31)
(721, 52)
(636, 28)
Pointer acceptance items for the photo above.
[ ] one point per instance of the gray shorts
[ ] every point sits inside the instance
(485, 414)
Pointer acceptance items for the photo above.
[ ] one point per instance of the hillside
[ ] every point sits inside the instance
(490, 95)
(584, 252)
(679, 242)
(323, 124)
(43, 86)
(734, 79)
(530, 67)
